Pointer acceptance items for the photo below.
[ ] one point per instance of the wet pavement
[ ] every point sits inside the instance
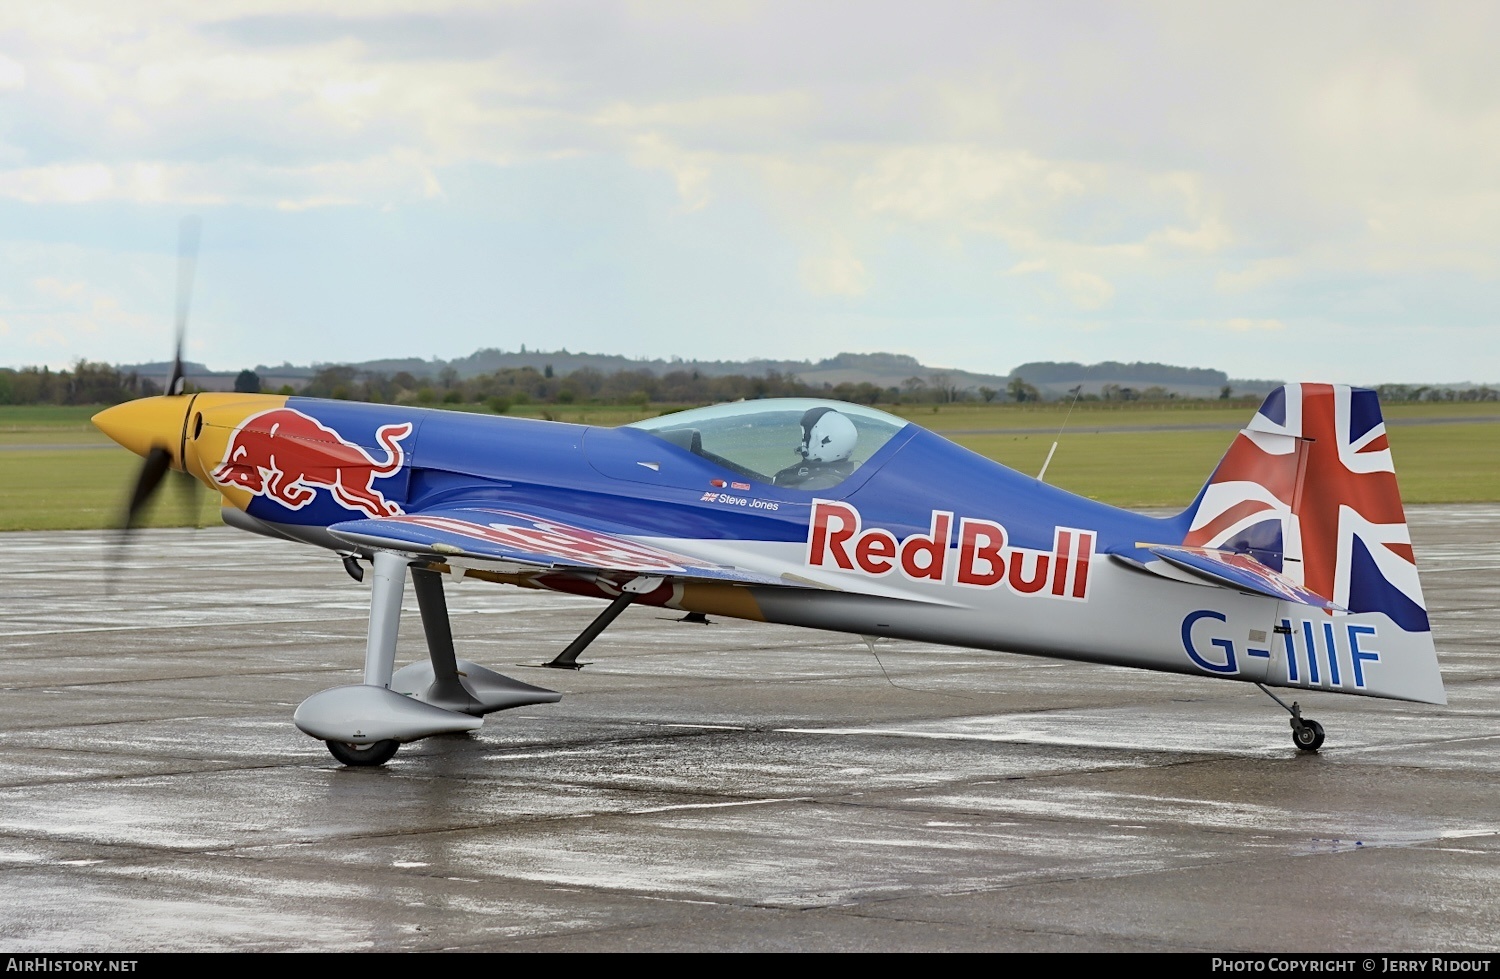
(709, 787)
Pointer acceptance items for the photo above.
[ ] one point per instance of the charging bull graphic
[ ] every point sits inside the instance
(281, 454)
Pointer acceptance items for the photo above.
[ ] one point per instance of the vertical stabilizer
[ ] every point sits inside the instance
(1308, 488)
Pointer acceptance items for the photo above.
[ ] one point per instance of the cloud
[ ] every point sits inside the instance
(971, 186)
(69, 184)
(309, 203)
(12, 74)
(1255, 275)
(1088, 291)
(690, 171)
(89, 312)
(48, 336)
(1152, 162)
(368, 181)
(1210, 236)
(834, 275)
(725, 123)
(1245, 325)
(52, 288)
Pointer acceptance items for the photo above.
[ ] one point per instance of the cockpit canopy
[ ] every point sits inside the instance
(802, 443)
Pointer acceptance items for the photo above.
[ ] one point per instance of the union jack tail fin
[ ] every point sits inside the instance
(1308, 488)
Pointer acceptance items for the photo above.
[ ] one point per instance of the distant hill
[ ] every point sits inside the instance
(886, 370)
(882, 369)
(197, 374)
(1055, 379)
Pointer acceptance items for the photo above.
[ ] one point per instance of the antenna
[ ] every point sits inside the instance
(1041, 477)
(870, 641)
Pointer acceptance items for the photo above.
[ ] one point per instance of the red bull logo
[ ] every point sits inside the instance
(283, 454)
(837, 539)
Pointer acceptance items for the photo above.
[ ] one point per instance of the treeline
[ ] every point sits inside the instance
(514, 386)
(87, 383)
(95, 383)
(1428, 392)
(1145, 374)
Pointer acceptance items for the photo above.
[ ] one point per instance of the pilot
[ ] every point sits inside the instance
(828, 438)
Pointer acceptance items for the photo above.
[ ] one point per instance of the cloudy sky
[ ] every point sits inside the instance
(1299, 190)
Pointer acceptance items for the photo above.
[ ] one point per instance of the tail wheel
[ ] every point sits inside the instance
(1308, 736)
(380, 752)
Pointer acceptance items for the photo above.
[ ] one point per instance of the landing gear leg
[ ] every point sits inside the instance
(1307, 734)
(568, 658)
(446, 688)
(380, 653)
(364, 723)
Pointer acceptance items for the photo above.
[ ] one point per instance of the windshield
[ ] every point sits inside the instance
(797, 442)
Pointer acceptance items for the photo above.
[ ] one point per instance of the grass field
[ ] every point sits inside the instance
(1434, 463)
(1129, 455)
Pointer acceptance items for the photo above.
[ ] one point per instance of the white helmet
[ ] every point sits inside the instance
(827, 436)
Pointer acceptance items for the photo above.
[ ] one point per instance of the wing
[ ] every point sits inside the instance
(533, 541)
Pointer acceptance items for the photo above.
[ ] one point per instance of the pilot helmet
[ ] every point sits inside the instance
(827, 436)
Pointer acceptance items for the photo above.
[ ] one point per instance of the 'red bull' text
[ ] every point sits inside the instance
(982, 558)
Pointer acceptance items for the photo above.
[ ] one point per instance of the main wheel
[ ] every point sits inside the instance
(1308, 737)
(377, 753)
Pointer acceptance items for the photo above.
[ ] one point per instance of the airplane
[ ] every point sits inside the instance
(1292, 568)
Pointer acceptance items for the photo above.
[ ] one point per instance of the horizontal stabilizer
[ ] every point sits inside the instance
(1142, 560)
(1235, 570)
